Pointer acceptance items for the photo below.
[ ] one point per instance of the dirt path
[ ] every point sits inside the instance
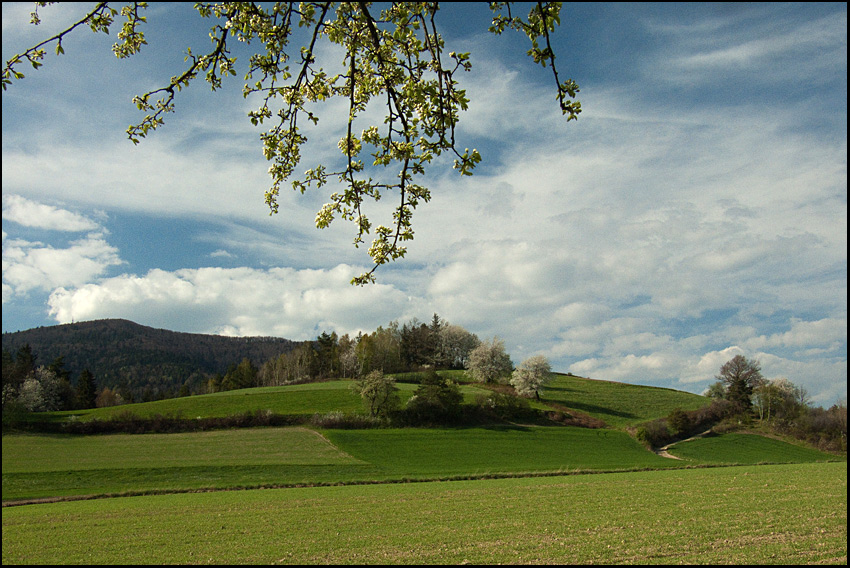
(662, 451)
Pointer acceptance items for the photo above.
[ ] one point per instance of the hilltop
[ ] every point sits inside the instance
(139, 359)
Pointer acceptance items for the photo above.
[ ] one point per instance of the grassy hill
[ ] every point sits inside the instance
(617, 404)
(303, 400)
(493, 493)
(39, 466)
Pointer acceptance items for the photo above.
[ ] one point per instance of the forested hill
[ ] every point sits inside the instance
(142, 360)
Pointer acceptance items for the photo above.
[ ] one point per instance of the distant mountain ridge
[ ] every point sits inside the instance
(142, 360)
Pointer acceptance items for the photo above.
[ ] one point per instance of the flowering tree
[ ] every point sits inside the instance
(489, 362)
(41, 391)
(379, 393)
(394, 56)
(531, 375)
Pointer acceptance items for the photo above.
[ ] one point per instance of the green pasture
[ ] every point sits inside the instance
(51, 465)
(769, 514)
(39, 465)
(740, 448)
(410, 452)
(300, 400)
(618, 404)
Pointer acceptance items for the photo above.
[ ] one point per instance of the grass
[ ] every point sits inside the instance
(475, 451)
(618, 404)
(788, 514)
(483, 495)
(39, 466)
(301, 400)
(737, 448)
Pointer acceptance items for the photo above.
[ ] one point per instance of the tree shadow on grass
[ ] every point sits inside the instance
(504, 427)
(583, 406)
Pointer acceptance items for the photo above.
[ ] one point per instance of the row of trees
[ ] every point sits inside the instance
(391, 349)
(405, 348)
(740, 392)
(436, 401)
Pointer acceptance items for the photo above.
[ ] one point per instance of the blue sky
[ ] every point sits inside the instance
(696, 210)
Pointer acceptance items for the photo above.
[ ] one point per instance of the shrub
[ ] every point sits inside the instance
(339, 420)
(680, 424)
(570, 417)
(435, 401)
(680, 421)
(15, 415)
(505, 406)
(654, 433)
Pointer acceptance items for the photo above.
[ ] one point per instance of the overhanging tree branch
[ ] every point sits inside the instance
(395, 60)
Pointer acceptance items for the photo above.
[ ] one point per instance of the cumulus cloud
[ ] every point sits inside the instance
(825, 335)
(651, 241)
(36, 265)
(283, 302)
(29, 213)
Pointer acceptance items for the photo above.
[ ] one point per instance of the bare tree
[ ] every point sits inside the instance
(741, 377)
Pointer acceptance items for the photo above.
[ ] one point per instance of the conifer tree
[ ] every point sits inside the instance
(86, 390)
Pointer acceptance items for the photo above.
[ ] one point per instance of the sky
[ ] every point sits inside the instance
(695, 211)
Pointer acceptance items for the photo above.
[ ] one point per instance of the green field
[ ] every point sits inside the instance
(789, 514)
(505, 493)
(734, 448)
(38, 466)
(298, 400)
(618, 404)
(43, 466)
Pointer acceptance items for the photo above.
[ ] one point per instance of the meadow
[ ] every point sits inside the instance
(517, 493)
(292, 400)
(617, 404)
(782, 514)
(41, 466)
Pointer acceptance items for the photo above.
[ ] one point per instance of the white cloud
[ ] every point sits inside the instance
(609, 243)
(34, 265)
(283, 302)
(709, 364)
(770, 51)
(827, 334)
(38, 215)
(220, 253)
(29, 266)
